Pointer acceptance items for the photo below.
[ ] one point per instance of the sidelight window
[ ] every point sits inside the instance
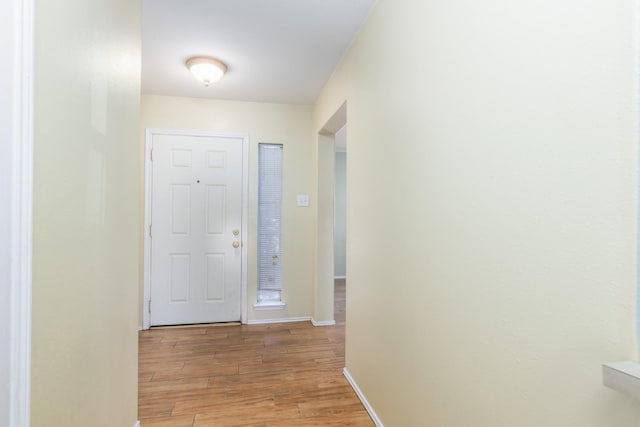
(269, 223)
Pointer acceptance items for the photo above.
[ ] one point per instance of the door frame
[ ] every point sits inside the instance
(148, 186)
(16, 208)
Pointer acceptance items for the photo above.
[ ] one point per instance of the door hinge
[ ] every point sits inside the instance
(150, 227)
(151, 155)
(149, 306)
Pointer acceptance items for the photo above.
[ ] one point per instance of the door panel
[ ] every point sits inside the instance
(180, 277)
(196, 272)
(216, 202)
(180, 209)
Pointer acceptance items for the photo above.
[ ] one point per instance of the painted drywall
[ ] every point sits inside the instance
(491, 210)
(289, 125)
(340, 215)
(86, 228)
(7, 78)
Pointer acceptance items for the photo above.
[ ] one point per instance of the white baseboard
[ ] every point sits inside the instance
(365, 402)
(137, 424)
(282, 320)
(340, 277)
(315, 322)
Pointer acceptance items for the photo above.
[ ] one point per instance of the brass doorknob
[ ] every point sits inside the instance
(236, 245)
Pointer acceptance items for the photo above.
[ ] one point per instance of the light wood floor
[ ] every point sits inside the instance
(287, 374)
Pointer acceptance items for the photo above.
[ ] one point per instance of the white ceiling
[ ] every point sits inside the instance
(280, 51)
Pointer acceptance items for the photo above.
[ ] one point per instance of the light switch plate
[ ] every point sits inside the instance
(303, 200)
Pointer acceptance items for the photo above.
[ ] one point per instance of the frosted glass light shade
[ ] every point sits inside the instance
(207, 70)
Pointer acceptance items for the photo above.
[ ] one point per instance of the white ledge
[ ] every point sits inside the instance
(623, 377)
(315, 322)
(261, 306)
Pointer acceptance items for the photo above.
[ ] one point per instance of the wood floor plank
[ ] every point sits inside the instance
(186, 421)
(339, 420)
(242, 416)
(155, 408)
(287, 374)
(173, 385)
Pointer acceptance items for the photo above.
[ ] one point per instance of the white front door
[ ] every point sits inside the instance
(196, 229)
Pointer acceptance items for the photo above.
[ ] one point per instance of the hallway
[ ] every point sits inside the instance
(287, 374)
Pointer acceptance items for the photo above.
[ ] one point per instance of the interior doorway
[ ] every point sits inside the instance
(324, 310)
(340, 227)
(340, 205)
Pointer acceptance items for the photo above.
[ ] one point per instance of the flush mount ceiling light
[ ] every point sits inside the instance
(207, 70)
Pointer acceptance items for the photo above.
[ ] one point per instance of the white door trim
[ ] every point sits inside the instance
(149, 133)
(18, 107)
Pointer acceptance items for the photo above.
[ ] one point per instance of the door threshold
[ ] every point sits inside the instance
(197, 325)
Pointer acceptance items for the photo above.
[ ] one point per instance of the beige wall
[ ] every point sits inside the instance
(85, 228)
(289, 125)
(492, 210)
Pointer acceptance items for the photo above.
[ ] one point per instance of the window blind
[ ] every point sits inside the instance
(269, 223)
